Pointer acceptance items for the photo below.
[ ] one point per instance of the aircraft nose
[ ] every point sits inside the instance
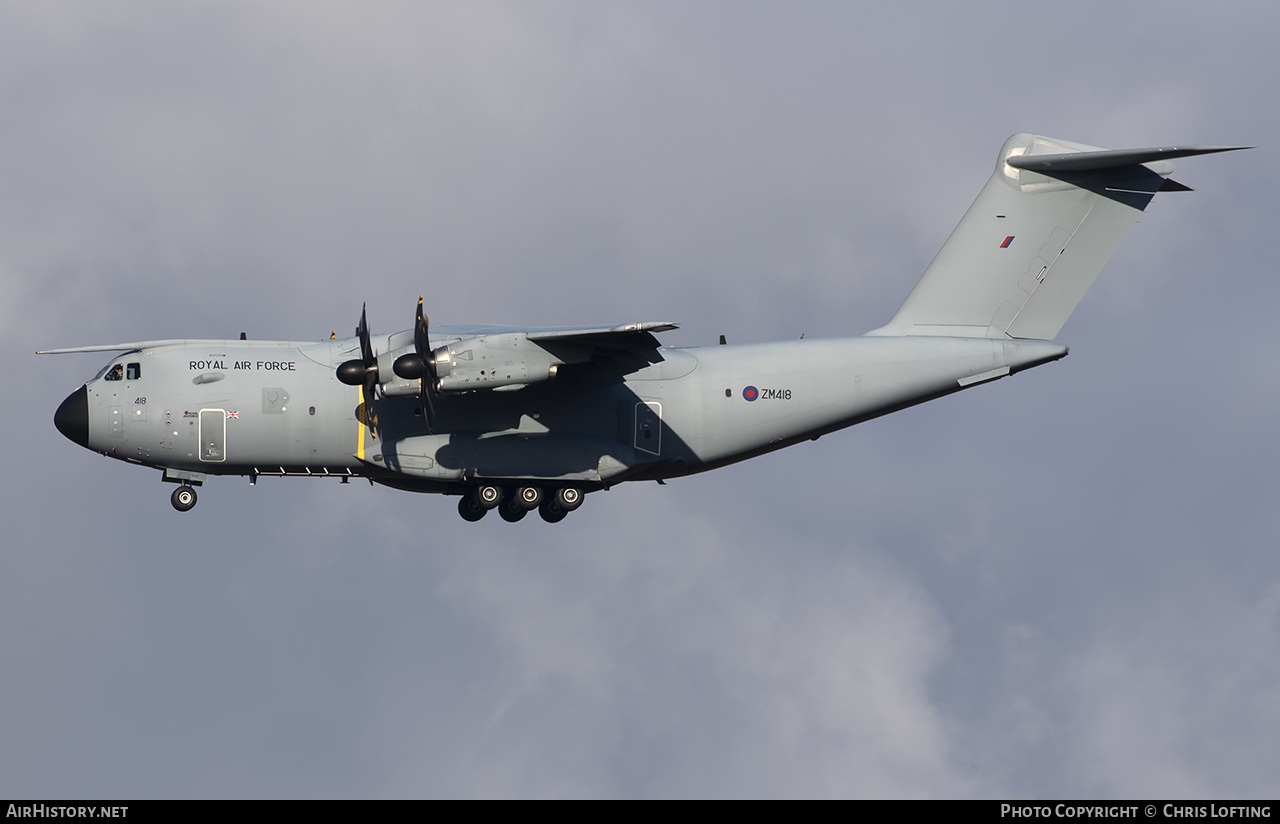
(72, 417)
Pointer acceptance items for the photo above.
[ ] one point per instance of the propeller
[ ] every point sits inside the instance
(363, 372)
(422, 366)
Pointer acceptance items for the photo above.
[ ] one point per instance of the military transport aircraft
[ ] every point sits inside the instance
(517, 419)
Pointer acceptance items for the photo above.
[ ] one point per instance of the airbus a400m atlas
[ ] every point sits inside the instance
(517, 419)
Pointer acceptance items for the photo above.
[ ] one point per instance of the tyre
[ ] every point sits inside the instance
(183, 498)
(529, 497)
(511, 510)
(570, 498)
(488, 496)
(551, 511)
(470, 509)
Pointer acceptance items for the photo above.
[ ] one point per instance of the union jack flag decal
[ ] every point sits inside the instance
(233, 414)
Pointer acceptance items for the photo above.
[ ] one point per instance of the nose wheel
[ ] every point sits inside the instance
(183, 498)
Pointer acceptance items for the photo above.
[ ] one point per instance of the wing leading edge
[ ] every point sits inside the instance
(627, 336)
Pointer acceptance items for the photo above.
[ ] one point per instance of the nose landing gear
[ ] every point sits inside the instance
(183, 498)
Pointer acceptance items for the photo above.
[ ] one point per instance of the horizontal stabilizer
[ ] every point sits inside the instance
(1109, 159)
(1036, 238)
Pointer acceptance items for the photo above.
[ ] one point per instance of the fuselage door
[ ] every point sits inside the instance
(213, 435)
(648, 431)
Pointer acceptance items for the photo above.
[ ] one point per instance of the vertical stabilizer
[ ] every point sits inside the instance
(1035, 239)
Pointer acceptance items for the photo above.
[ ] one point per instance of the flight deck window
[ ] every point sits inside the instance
(115, 373)
(132, 371)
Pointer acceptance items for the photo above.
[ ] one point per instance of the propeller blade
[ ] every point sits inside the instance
(427, 382)
(366, 346)
(420, 340)
(357, 372)
(414, 366)
(428, 409)
(363, 372)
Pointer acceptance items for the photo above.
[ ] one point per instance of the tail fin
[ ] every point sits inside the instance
(1036, 238)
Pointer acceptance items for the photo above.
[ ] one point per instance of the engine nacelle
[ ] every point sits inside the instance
(492, 361)
(392, 384)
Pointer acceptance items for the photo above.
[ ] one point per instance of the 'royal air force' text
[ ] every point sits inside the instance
(258, 366)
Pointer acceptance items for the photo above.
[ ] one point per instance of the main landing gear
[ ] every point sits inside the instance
(516, 502)
(183, 498)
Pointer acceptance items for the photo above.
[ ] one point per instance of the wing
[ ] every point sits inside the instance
(136, 346)
(492, 357)
(470, 357)
(626, 336)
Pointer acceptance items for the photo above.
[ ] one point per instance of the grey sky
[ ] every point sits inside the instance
(1064, 584)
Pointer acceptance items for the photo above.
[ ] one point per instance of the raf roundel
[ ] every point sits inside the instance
(751, 393)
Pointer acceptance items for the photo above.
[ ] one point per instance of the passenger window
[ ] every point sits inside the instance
(115, 373)
(133, 371)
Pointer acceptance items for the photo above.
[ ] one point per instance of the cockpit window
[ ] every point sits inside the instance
(132, 371)
(115, 373)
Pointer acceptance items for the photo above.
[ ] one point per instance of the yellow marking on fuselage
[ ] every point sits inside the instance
(360, 426)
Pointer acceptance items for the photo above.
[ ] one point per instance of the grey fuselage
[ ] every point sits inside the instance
(236, 407)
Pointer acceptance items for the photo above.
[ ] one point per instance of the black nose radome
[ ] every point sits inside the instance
(72, 417)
